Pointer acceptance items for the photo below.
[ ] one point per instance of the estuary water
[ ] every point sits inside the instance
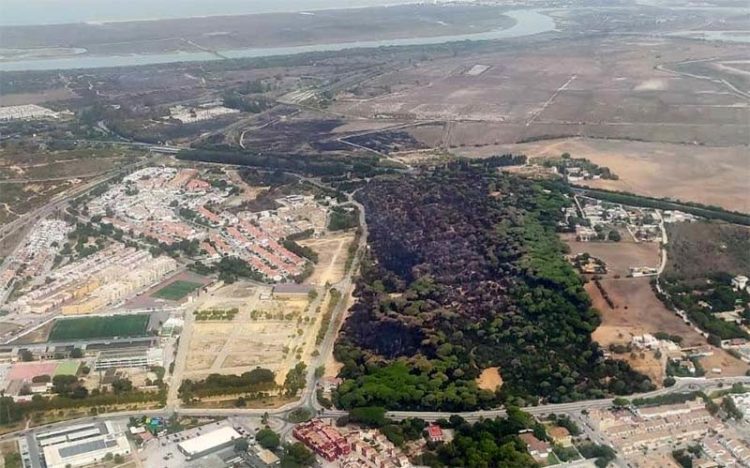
(527, 22)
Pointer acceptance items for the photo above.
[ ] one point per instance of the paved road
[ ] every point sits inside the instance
(682, 386)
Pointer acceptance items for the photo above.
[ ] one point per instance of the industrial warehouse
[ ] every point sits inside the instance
(209, 442)
(82, 444)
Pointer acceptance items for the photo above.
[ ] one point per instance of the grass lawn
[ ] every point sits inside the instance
(67, 368)
(99, 327)
(177, 290)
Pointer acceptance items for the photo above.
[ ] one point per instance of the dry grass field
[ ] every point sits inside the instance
(264, 333)
(654, 169)
(637, 311)
(601, 88)
(619, 256)
(332, 254)
(697, 250)
(729, 365)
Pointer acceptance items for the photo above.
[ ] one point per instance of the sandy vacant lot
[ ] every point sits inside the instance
(729, 365)
(490, 379)
(637, 311)
(620, 256)
(332, 254)
(709, 175)
(257, 336)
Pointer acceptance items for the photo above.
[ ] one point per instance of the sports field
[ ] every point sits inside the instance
(177, 290)
(99, 327)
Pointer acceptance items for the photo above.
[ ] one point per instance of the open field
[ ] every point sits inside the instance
(176, 290)
(98, 327)
(264, 333)
(332, 254)
(699, 249)
(730, 366)
(637, 311)
(619, 256)
(656, 169)
(648, 364)
(601, 88)
(39, 335)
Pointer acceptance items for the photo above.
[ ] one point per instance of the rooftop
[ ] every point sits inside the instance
(209, 440)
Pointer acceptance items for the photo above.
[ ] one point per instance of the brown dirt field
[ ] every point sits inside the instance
(655, 169)
(332, 253)
(619, 256)
(644, 313)
(6, 448)
(39, 335)
(730, 366)
(598, 88)
(490, 379)
(333, 367)
(698, 249)
(648, 365)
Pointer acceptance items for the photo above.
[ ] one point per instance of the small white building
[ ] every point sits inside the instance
(739, 282)
(645, 341)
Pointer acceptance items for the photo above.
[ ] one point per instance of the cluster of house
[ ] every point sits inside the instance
(641, 223)
(147, 203)
(254, 245)
(91, 283)
(171, 205)
(652, 428)
(323, 439)
(35, 256)
(370, 448)
(635, 431)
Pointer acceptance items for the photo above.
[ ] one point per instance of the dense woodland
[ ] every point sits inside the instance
(466, 272)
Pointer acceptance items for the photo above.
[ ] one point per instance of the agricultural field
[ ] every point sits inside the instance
(637, 310)
(99, 327)
(619, 257)
(176, 290)
(702, 248)
(652, 169)
(600, 88)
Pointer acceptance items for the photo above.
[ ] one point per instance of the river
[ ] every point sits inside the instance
(527, 22)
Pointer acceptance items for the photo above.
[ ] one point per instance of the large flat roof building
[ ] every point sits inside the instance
(85, 452)
(208, 442)
(130, 358)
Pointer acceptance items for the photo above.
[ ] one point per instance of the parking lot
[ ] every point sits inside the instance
(162, 452)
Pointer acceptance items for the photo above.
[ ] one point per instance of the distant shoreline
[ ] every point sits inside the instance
(481, 26)
(240, 9)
